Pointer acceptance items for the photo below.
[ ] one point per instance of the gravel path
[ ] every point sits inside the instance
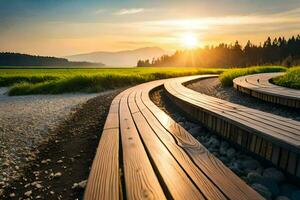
(213, 87)
(62, 165)
(25, 123)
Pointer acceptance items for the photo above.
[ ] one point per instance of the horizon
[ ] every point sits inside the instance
(68, 28)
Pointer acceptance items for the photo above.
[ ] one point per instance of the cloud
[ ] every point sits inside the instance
(129, 11)
(99, 11)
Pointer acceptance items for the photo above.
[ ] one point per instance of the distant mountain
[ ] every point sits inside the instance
(17, 59)
(120, 58)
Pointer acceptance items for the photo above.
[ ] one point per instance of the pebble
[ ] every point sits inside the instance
(57, 174)
(282, 198)
(230, 153)
(12, 195)
(287, 189)
(80, 185)
(262, 190)
(213, 142)
(250, 164)
(25, 123)
(46, 161)
(296, 195)
(28, 193)
(195, 131)
(274, 174)
(189, 125)
(253, 177)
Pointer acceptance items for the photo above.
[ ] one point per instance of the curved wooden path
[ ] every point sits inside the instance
(144, 154)
(274, 138)
(259, 86)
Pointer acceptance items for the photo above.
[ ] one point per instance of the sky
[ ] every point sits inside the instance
(67, 27)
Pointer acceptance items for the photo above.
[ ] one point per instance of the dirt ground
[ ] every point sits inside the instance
(63, 164)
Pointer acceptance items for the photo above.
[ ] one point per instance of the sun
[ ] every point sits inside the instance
(189, 40)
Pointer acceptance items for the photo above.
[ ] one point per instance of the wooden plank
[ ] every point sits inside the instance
(229, 183)
(140, 179)
(259, 86)
(103, 181)
(203, 183)
(205, 102)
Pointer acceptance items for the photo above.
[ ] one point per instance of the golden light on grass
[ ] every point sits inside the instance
(189, 40)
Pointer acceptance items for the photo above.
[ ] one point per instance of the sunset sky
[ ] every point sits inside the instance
(66, 27)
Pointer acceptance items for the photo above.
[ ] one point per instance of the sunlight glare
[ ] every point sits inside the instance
(189, 40)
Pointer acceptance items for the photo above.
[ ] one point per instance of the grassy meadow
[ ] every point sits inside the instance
(291, 79)
(56, 81)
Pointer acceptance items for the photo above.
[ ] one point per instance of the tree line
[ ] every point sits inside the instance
(279, 51)
(17, 59)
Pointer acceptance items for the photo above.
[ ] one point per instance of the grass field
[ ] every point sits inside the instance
(291, 79)
(227, 77)
(55, 81)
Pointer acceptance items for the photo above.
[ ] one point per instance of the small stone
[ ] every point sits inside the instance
(52, 192)
(262, 190)
(282, 198)
(213, 142)
(271, 185)
(195, 131)
(250, 164)
(12, 195)
(296, 195)
(287, 190)
(59, 161)
(274, 174)
(57, 174)
(190, 125)
(46, 161)
(28, 193)
(80, 185)
(230, 153)
(254, 177)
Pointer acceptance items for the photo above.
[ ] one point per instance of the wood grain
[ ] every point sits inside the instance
(259, 86)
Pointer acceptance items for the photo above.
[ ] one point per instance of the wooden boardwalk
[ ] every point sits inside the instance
(272, 137)
(259, 86)
(144, 154)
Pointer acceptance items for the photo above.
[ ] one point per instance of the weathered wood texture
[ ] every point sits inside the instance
(144, 154)
(272, 137)
(259, 86)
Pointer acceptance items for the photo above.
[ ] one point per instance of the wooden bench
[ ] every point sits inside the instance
(272, 137)
(144, 154)
(259, 86)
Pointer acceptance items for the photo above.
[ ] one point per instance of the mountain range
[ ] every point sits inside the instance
(121, 58)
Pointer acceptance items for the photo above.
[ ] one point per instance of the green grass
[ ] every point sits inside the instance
(227, 77)
(291, 79)
(56, 81)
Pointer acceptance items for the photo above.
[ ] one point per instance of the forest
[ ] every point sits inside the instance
(17, 59)
(277, 51)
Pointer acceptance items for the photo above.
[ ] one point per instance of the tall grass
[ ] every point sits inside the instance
(291, 79)
(25, 82)
(227, 77)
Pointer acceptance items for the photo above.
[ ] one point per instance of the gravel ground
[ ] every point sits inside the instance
(262, 177)
(213, 87)
(61, 166)
(26, 122)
